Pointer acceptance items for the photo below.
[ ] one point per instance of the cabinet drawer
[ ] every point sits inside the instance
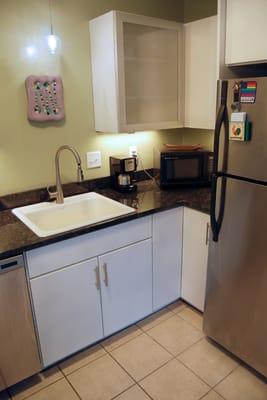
(67, 252)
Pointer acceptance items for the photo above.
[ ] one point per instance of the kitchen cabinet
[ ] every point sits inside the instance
(167, 256)
(91, 286)
(137, 72)
(72, 281)
(126, 285)
(67, 310)
(195, 257)
(201, 73)
(246, 30)
(57, 255)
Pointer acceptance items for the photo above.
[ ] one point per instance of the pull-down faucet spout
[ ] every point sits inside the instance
(58, 194)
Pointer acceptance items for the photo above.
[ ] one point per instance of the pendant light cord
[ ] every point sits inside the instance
(50, 16)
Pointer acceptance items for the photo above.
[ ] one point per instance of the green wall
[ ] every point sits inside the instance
(27, 149)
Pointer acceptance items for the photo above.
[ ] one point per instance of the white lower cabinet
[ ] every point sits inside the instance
(167, 256)
(195, 257)
(67, 309)
(130, 275)
(126, 285)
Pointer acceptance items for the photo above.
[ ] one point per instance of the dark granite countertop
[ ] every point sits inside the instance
(15, 237)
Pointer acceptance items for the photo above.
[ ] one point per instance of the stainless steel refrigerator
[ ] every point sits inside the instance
(235, 313)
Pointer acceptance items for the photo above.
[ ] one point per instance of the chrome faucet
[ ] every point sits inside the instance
(58, 194)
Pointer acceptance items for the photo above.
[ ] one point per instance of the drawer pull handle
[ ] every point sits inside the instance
(97, 275)
(105, 269)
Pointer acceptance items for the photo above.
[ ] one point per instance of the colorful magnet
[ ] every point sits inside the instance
(248, 91)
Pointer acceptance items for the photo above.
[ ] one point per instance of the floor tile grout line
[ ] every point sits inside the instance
(100, 343)
(134, 379)
(214, 387)
(210, 391)
(129, 388)
(189, 347)
(204, 395)
(160, 322)
(71, 385)
(177, 312)
(211, 386)
(121, 366)
(199, 377)
(190, 323)
(108, 352)
(173, 355)
(161, 345)
(89, 362)
(127, 341)
(144, 391)
(39, 390)
(155, 370)
(125, 390)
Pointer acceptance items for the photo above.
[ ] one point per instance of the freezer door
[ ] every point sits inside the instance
(236, 294)
(248, 159)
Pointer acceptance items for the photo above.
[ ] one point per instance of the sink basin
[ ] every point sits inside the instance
(47, 219)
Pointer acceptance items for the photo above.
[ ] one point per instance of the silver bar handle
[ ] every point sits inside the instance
(97, 276)
(105, 269)
(207, 233)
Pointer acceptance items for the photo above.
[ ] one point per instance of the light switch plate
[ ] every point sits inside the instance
(93, 159)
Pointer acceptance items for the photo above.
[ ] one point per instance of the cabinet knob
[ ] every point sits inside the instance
(105, 269)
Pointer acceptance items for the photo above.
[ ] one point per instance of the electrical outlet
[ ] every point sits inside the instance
(133, 151)
(93, 159)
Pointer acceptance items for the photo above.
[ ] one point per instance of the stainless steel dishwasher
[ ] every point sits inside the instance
(19, 357)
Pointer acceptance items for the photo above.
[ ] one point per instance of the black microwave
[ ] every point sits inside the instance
(184, 168)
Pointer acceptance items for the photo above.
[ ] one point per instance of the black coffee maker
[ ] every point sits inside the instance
(122, 173)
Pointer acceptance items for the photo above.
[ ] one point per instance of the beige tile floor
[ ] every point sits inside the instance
(164, 357)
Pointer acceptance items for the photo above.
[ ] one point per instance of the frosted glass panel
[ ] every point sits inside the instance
(151, 79)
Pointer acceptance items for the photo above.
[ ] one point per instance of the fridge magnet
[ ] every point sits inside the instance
(248, 91)
(45, 98)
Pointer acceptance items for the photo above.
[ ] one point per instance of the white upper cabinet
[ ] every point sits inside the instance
(201, 73)
(246, 31)
(137, 72)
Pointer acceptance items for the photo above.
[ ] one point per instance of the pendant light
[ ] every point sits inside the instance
(52, 40)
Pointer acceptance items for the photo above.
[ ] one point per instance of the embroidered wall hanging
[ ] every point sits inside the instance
(45, 98)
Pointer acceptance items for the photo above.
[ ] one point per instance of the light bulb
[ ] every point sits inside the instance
(52, 42)
(31, 51)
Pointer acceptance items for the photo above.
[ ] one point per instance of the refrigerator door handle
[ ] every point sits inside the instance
(216, 223)
(222, 119)
(217, 132)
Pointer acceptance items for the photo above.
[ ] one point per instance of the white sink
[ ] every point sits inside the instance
(47, 219)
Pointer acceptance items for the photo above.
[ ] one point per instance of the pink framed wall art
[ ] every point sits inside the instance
(45, 98)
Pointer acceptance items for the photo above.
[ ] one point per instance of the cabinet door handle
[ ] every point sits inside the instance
(207, 233)
(105, 269)
(97, 276)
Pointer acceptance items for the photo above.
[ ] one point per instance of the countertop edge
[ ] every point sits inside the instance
(37, 242)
